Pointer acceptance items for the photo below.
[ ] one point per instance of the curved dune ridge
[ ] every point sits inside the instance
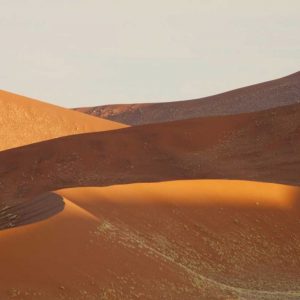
(266, 95)
(24, 121)
(261, 146)
(197, 239)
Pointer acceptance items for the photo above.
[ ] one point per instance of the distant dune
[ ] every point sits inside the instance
(261, 146)
(279, 92)
(201, 239)
(24, 121)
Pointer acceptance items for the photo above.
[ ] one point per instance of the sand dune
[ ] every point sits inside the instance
(279, 92)
(24, 121)
(202, 239)
(184, 239)
(262, 146)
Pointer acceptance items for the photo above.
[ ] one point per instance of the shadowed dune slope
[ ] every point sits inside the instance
(261, 146)
(25, 121)
(27, 212)
(279, 92)
(202, 239)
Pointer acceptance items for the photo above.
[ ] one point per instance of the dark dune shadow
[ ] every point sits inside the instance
(31, 211)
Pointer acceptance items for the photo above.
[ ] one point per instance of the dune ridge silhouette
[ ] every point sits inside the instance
(262, 96)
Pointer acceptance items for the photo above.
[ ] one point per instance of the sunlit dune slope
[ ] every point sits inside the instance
(25, 121)
(279, 92)
(202, 239)
(262, 146)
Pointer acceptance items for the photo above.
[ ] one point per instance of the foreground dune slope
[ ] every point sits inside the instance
(279, 92)
(201, 239)
(25, 121)
(261, 146)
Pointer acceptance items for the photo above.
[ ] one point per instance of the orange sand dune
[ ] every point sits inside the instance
(270, 94)
(201, 239)
(25, 121)
(261, 146)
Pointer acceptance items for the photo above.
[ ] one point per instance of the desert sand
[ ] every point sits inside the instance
(24, 121)
(266, 95)
(201, 239)
(197, 208)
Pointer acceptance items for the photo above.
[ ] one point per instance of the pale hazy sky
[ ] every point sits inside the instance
(93, 52)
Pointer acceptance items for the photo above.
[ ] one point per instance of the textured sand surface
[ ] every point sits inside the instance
(24, 121)
(202, 239)
(279, 92)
